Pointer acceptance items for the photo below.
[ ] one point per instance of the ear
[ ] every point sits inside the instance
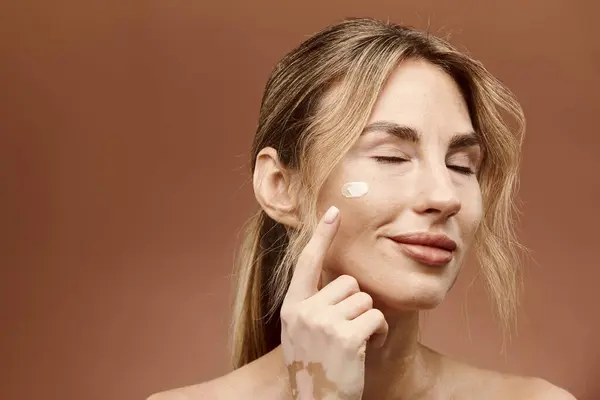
(274, 188)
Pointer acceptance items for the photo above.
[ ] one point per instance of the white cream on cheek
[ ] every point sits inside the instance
(355, 189)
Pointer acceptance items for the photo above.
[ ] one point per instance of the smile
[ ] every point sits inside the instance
(426, 248)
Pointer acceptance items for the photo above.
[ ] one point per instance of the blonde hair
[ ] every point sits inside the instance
(311, 136)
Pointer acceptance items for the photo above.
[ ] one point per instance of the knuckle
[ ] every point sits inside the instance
(350, 282)
(321, 323)
(366, 299)
(300, 317)
(330, 330)
(286, 314)
(377, 313)
(290, 313)
(318, 321)
(311, 320)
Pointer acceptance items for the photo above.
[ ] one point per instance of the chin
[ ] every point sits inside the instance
(410, 294)
(420, 301)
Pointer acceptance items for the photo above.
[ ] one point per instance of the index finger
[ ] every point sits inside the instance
(310, 262)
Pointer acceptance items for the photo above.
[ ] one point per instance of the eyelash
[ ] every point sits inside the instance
(392, 160)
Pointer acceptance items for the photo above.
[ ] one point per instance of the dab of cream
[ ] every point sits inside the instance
(355, 189)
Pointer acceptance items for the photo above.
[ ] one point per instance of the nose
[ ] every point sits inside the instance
(437, 195)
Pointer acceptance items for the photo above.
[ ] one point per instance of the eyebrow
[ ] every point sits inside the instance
(409, 134)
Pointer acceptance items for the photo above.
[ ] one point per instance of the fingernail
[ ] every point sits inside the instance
(331, 215)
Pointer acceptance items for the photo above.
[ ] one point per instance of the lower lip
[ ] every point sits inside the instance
(427, 255)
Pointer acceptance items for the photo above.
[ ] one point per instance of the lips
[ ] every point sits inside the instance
(426, 248)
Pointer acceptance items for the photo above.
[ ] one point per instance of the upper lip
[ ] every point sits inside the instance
(426, 239)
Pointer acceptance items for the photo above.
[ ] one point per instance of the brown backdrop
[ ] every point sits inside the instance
(125, 130)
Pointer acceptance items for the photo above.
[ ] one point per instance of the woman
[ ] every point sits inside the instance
(381, 157)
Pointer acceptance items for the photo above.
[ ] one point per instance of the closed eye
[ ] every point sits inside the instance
(396, 160)
(390, 160)
(461, 170)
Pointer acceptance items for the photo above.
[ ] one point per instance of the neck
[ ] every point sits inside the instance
(402, 368)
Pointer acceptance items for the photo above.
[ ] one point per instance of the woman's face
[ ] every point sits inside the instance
(419, 157)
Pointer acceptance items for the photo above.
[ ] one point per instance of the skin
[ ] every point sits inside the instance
(350, 318)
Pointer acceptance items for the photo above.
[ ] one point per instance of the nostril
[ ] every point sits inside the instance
(434, 210)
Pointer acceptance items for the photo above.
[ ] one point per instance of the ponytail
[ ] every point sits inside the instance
(256, 327)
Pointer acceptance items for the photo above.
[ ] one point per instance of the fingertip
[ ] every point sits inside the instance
(331, 215)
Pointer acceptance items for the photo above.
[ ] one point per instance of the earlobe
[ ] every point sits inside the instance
(273, 188)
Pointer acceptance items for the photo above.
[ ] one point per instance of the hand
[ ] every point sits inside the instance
(324, 332)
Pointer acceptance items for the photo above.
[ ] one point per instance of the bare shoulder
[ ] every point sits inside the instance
(471, 382)
(541, 389)
(516, 387)
(214, 389)
(522, 387)
(264, 378)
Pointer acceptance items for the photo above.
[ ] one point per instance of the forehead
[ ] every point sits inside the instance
(421, 95)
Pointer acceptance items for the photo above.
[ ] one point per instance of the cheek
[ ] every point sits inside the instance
(472, 213)
(353, 188)
(359, 217)
(370, 210)
(354, 246)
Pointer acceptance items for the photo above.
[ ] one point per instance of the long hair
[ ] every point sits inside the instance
(356, 56)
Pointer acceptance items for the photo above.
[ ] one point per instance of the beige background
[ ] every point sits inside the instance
(125, 128)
